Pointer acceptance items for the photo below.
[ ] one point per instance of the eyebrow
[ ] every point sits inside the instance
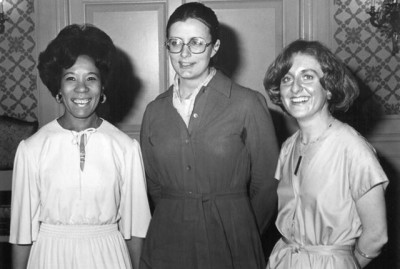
(309, 70)
(90, 73)
(313, 71)
(172, 37)
(305, 71)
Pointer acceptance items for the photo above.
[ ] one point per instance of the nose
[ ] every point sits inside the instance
(296, 87)
(81, 87)
(185, 51)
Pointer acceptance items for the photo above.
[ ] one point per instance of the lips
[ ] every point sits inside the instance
(81, 102)
(300, 100)
(185, 65)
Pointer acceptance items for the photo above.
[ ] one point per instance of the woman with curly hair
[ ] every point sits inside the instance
(331, 211)
(78, 185)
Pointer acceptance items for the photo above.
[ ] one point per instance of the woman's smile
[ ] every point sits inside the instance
(81, 102)
(186, 64)
(300, 100)
(301, 91)
(81, 89)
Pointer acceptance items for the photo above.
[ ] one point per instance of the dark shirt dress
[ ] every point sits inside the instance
(212, 183)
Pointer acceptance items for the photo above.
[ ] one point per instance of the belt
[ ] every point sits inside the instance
(204, 197)
(197, 207)
(77, 231)
(285, 255)
(193, 202)
(319, 249)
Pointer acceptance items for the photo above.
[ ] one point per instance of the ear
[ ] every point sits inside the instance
(215, 48)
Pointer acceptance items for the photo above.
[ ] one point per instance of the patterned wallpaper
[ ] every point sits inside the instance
(368, 54)
(356, 42)
(18, 92)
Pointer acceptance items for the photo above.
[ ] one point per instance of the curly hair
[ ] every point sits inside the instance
(337, 77)
(73, 41)
(198, 11)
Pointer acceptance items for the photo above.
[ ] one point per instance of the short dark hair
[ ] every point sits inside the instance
(337, 78)
(198, 11)
(73, 41)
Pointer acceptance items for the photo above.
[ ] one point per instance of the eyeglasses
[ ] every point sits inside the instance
(196, 45)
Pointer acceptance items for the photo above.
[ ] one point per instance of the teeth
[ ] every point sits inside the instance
(300, 99)
(81, 101)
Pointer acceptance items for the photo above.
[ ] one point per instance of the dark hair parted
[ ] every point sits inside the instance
(198, 11)
(73, 41)
(337, 77)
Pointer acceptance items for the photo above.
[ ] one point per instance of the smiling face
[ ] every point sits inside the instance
(301, 91)
(188, 65)
(81, 90)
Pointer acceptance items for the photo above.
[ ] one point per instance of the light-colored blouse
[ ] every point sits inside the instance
(317, 207)
(49, 185)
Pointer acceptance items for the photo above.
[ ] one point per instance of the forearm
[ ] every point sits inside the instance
(20, 255)
(264, 205)
(371, 209)
(369, 246)
(135, 249)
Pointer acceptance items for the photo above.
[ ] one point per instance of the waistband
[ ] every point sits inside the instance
(320, 249)
(204, 197)
(77, 231)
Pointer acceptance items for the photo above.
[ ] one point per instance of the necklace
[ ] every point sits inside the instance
(306, 145)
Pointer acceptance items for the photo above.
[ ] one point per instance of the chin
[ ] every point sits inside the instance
(297, 115)
(84, 115)
(186, 74)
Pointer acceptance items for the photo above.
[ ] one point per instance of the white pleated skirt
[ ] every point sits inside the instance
(79, 247)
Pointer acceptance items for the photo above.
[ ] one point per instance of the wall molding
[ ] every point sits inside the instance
(385, 137)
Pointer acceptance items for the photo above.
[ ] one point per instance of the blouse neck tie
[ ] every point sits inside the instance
(81, 139)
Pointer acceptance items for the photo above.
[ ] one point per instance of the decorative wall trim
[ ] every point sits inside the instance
(368, 54)
(18, 92)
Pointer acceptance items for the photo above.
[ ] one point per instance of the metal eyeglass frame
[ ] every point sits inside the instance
(187, 44)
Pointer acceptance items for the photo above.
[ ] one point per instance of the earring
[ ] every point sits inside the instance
(59, 98)
(103, 98)
(329, 95)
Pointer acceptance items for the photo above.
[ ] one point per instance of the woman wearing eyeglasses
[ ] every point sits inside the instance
(210, 152)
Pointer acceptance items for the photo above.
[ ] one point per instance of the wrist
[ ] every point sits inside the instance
(365, 255)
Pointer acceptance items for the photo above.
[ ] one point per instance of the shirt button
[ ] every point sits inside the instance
(195, 115)
(188, 167)
(187, 141)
